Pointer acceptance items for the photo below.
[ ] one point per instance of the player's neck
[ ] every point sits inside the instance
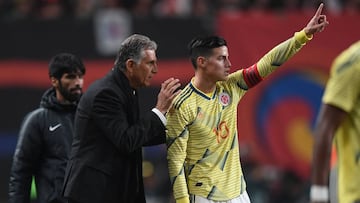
(204, 85)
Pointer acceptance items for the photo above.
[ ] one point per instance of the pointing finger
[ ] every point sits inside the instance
(319, 10)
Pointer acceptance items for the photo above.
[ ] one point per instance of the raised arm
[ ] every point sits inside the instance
(285, 50)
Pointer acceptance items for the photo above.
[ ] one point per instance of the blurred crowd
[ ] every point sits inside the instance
(83, 9)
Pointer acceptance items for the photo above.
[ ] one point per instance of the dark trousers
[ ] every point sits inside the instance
(72, 201)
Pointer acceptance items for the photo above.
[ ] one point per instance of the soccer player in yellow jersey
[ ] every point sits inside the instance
(339, 121)
(202, 138)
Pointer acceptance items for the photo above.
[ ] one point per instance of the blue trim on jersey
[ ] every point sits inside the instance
(183, 96)
(182, 134)
(174, 179)
(214, 95)
(276, 63)
(241, 86)
(191, 168)
(222, 165)
(211, 193)
(233, 144)
(202, 94)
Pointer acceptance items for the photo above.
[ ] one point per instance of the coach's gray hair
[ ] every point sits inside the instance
(133, 47)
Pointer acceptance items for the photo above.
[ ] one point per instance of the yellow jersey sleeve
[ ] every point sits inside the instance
(178, 120)
(183, 200)
(281, 53)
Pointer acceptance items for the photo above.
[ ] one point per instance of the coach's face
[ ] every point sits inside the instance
(142, 73)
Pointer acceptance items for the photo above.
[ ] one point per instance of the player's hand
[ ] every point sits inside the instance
(169, 89)
(317, 23)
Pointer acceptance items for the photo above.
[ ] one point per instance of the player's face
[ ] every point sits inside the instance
(218, 64)
(70, 87)
(145, 70)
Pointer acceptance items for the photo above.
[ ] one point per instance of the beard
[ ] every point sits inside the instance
(68, 95)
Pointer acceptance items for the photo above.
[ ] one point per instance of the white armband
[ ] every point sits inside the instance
(319, 193)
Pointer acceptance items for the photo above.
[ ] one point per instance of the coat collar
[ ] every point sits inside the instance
(122, 81)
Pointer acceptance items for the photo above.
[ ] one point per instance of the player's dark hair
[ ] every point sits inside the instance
(203, 46)
(65, 63)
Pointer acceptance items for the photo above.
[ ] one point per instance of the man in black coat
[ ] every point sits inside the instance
(46, 134)
(106, 157)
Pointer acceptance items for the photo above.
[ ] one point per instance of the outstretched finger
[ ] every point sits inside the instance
(319, 10)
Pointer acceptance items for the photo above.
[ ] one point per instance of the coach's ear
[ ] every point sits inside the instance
(130, 66)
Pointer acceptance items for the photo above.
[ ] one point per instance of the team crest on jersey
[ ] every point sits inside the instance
(224, 99)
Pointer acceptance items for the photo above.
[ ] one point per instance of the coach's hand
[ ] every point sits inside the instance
(169, 89)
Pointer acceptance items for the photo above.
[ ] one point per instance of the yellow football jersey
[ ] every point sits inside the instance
(202, 137)
(343, 91)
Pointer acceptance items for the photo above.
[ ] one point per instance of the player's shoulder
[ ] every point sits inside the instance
(183, 97)
(347, 62)
(352, 53)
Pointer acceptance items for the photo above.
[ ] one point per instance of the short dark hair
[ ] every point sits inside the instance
(65, 63)
(133, 48)
(203, 45)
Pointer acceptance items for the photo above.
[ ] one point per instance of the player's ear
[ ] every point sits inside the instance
(201, 61)
(54, 81)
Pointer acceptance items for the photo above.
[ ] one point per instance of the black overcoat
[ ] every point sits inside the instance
(106, 158)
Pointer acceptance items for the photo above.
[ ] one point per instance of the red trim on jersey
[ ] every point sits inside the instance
(251, 76)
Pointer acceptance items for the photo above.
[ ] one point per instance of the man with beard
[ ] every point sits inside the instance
(46, 135)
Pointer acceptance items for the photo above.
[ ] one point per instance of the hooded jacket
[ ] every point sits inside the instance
(42, 151)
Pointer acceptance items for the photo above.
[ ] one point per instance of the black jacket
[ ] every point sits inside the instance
(42, 151)
(106, 156)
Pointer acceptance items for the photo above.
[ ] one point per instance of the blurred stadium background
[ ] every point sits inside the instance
(276, 118)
